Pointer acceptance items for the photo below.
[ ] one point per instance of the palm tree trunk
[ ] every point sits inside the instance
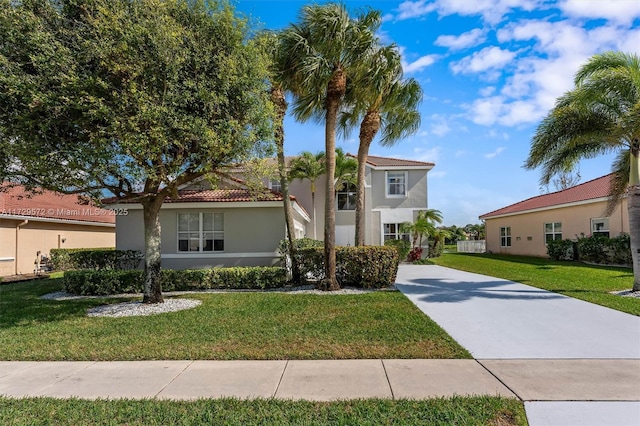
(313, 207)
(335, 91)
(633, 208)
(152, 250)
(368, 129)
(277, 97)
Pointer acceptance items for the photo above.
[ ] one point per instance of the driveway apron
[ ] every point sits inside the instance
(570, 361)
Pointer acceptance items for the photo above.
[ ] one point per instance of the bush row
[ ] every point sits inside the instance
(366, 267)
(597, 249)
(107, 282)
(403, 247)
(101, 258)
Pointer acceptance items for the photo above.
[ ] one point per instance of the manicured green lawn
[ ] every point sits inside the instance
(575, 279)
(225, 326)
(460, 411)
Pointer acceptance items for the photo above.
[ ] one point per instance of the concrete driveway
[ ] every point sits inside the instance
(570, 361)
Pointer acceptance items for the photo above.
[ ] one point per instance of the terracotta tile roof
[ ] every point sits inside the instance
(393, 162)
(593, 189)
(15, 201)
(223, 195)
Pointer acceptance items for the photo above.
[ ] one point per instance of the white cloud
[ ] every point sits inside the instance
(462, 41)
(492, 11)
(495, 153)
(487, 91)
(486, 59)
(439, 126)
(431, 155)
(419, 64)
(621, 11)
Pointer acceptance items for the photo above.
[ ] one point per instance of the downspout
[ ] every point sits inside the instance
(17, 239)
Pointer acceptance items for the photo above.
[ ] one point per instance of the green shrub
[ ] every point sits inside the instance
(365, 267)
(435, 248)
(68, 259)
(600, 249)
(106, 282)
(560, 249)
(403, 247)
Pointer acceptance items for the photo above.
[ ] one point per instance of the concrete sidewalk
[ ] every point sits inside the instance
(324, 380)
(570, 361)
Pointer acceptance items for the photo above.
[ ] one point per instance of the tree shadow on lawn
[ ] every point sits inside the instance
(449, 291)
(21, 305)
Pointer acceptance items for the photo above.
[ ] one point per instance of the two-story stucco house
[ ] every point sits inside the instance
(230, 226)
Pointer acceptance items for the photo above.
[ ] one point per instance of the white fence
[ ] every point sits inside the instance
(479, 246)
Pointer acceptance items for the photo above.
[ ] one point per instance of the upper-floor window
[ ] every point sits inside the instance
(200, 232)
(397, 184)
(274, 184)
(505, 236)
(552, 231)
(600, 227)
(346, 197)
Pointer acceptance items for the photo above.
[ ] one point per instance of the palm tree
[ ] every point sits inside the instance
(440, 235)
(380, 99)
(277, 95)
(308, 166)
(600, 115)
(319, 54)
(346, 169)
(424, 225)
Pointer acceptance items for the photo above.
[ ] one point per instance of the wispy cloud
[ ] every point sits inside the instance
(494, 154)
(486, 59)
(492, 11)
(462, 41)
(622, 11)
(419, 64)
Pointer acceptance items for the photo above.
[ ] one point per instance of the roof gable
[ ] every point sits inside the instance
(377, 161)
(591, 190)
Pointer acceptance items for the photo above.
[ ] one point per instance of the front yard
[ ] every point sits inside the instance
(246, 325)
(586, 282)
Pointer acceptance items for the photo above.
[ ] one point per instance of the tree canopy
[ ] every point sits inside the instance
(128, 98)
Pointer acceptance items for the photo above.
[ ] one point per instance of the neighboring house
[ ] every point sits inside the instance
(31, 223)
(231, 226)
(524, 228)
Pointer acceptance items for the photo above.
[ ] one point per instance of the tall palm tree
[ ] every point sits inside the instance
(320, 53)
(277, 96)
(600, 115)
(380, 99)
(309, 166)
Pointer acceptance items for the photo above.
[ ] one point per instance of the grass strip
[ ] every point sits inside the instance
(481, 410)
(591, 283)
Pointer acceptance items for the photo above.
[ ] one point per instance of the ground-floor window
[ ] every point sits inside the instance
(600, 227)
(392, 231)
(200, 232)
(552, 231)
(505, 236)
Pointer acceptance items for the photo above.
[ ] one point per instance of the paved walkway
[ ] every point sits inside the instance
(571, 362)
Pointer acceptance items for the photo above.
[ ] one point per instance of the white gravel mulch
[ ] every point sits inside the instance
(627, 293)
(128, 309)
(131, 309)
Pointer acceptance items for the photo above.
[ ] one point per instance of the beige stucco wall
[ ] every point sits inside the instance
(251, 236)
(527, 229)
(44, 236)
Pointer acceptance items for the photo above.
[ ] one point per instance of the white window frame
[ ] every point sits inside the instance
(274, 185)
(346, 191)
(406, 184)
(397, 235)
(554, 233)
(201, 233)
(606, 230)
(505, 237)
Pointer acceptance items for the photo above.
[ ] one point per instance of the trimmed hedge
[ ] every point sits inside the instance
(597, 249)
(108, 282)
(364, 267)
(560, 249)
(100, 258)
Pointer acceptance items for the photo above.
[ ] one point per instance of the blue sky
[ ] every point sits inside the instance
(490, 70)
